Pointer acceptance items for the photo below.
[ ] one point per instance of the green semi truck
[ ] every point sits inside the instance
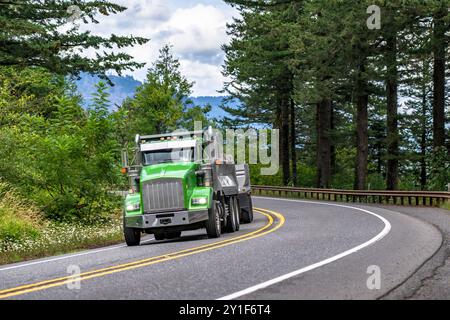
(176, 186)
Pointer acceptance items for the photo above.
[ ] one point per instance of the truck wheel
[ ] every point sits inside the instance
(213, 222)
(159, 236)
(247, 214)
(173, 235)
(231, 217)
(225, 214)
(132, 236)
(237, 211)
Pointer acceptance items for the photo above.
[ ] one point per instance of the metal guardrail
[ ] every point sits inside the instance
(418, 198)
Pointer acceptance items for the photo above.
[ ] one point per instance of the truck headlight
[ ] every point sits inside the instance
(199, 201)
(133, 206)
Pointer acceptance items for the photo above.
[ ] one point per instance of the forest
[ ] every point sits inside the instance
(360, 98)
(358, 89)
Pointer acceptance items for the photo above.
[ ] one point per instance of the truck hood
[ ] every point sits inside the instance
(167, 170)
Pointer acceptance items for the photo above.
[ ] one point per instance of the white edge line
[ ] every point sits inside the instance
(378, 237)
(67, 256)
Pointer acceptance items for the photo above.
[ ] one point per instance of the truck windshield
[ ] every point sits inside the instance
(168, 155)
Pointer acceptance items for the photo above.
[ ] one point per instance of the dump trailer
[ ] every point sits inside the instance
(174, 187)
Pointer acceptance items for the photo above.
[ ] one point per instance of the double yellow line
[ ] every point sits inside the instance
(275, 221)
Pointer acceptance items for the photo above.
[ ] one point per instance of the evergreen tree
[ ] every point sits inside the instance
(41, 34)
(257, 62)
(159, 103)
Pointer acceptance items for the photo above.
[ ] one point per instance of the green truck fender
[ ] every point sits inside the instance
(200, 198)
(132, 205)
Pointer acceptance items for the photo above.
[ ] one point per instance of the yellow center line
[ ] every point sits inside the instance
(15, 291)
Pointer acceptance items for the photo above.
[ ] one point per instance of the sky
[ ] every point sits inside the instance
(195, 29)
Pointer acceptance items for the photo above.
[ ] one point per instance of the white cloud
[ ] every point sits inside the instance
(196, 33)
(200, 29)
(207, 77)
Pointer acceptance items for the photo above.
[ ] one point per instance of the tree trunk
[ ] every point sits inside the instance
(332, 146)
(439, 48)
(423, 141)
(323, 120)
(392, 113)
(284, 143)
(362, 137)
(293, 144)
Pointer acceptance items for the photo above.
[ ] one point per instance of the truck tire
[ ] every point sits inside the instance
(237, 212)
(213, 224)
(173, 235)
(232, 214)
(132, 236)
(247, 214)
(159, 236)
(225, 213)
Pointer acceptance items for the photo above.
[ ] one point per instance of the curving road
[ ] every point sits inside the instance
(293, 250)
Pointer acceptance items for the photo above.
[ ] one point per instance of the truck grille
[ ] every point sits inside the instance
(163, 195)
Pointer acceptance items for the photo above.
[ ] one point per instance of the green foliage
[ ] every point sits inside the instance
(18, 218)
(440, 169)
(79, 163)
(40, 34)
(376, 181)
(257, 179)
(161, 103)
(65, 161)
(194, 113)
(258, 62)
(13, 229)
(322, 50)
(31, 91)
(343, 178)
(158, 102)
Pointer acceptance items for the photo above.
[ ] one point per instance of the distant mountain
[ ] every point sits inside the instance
(123, 87)
(126, 87)
(215, 102)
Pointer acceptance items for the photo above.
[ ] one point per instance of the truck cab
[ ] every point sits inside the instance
(174, 187)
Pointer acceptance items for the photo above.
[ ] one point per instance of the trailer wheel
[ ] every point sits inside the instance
(132, 236)
(159, 236)
(247, 214)
(232, 214)
(213, 223)
(237, 211)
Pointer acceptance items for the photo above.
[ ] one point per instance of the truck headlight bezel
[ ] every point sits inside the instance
(200, 201)
(133, 207)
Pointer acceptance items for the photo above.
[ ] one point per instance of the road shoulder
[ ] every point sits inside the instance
(431, 281)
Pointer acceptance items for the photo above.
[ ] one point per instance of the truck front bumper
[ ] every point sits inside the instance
(166, 219)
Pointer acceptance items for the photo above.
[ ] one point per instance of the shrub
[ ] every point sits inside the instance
(19, 218)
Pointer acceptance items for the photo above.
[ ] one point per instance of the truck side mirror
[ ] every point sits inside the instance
(137, 138)
(200, 177)
(210, 131)
(137, 183)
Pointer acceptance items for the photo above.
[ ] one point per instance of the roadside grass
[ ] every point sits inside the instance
(446, 205)
(25, 234)
(55, 239)
(19, 218)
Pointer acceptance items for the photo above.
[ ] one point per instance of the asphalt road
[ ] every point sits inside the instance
(293, 250)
